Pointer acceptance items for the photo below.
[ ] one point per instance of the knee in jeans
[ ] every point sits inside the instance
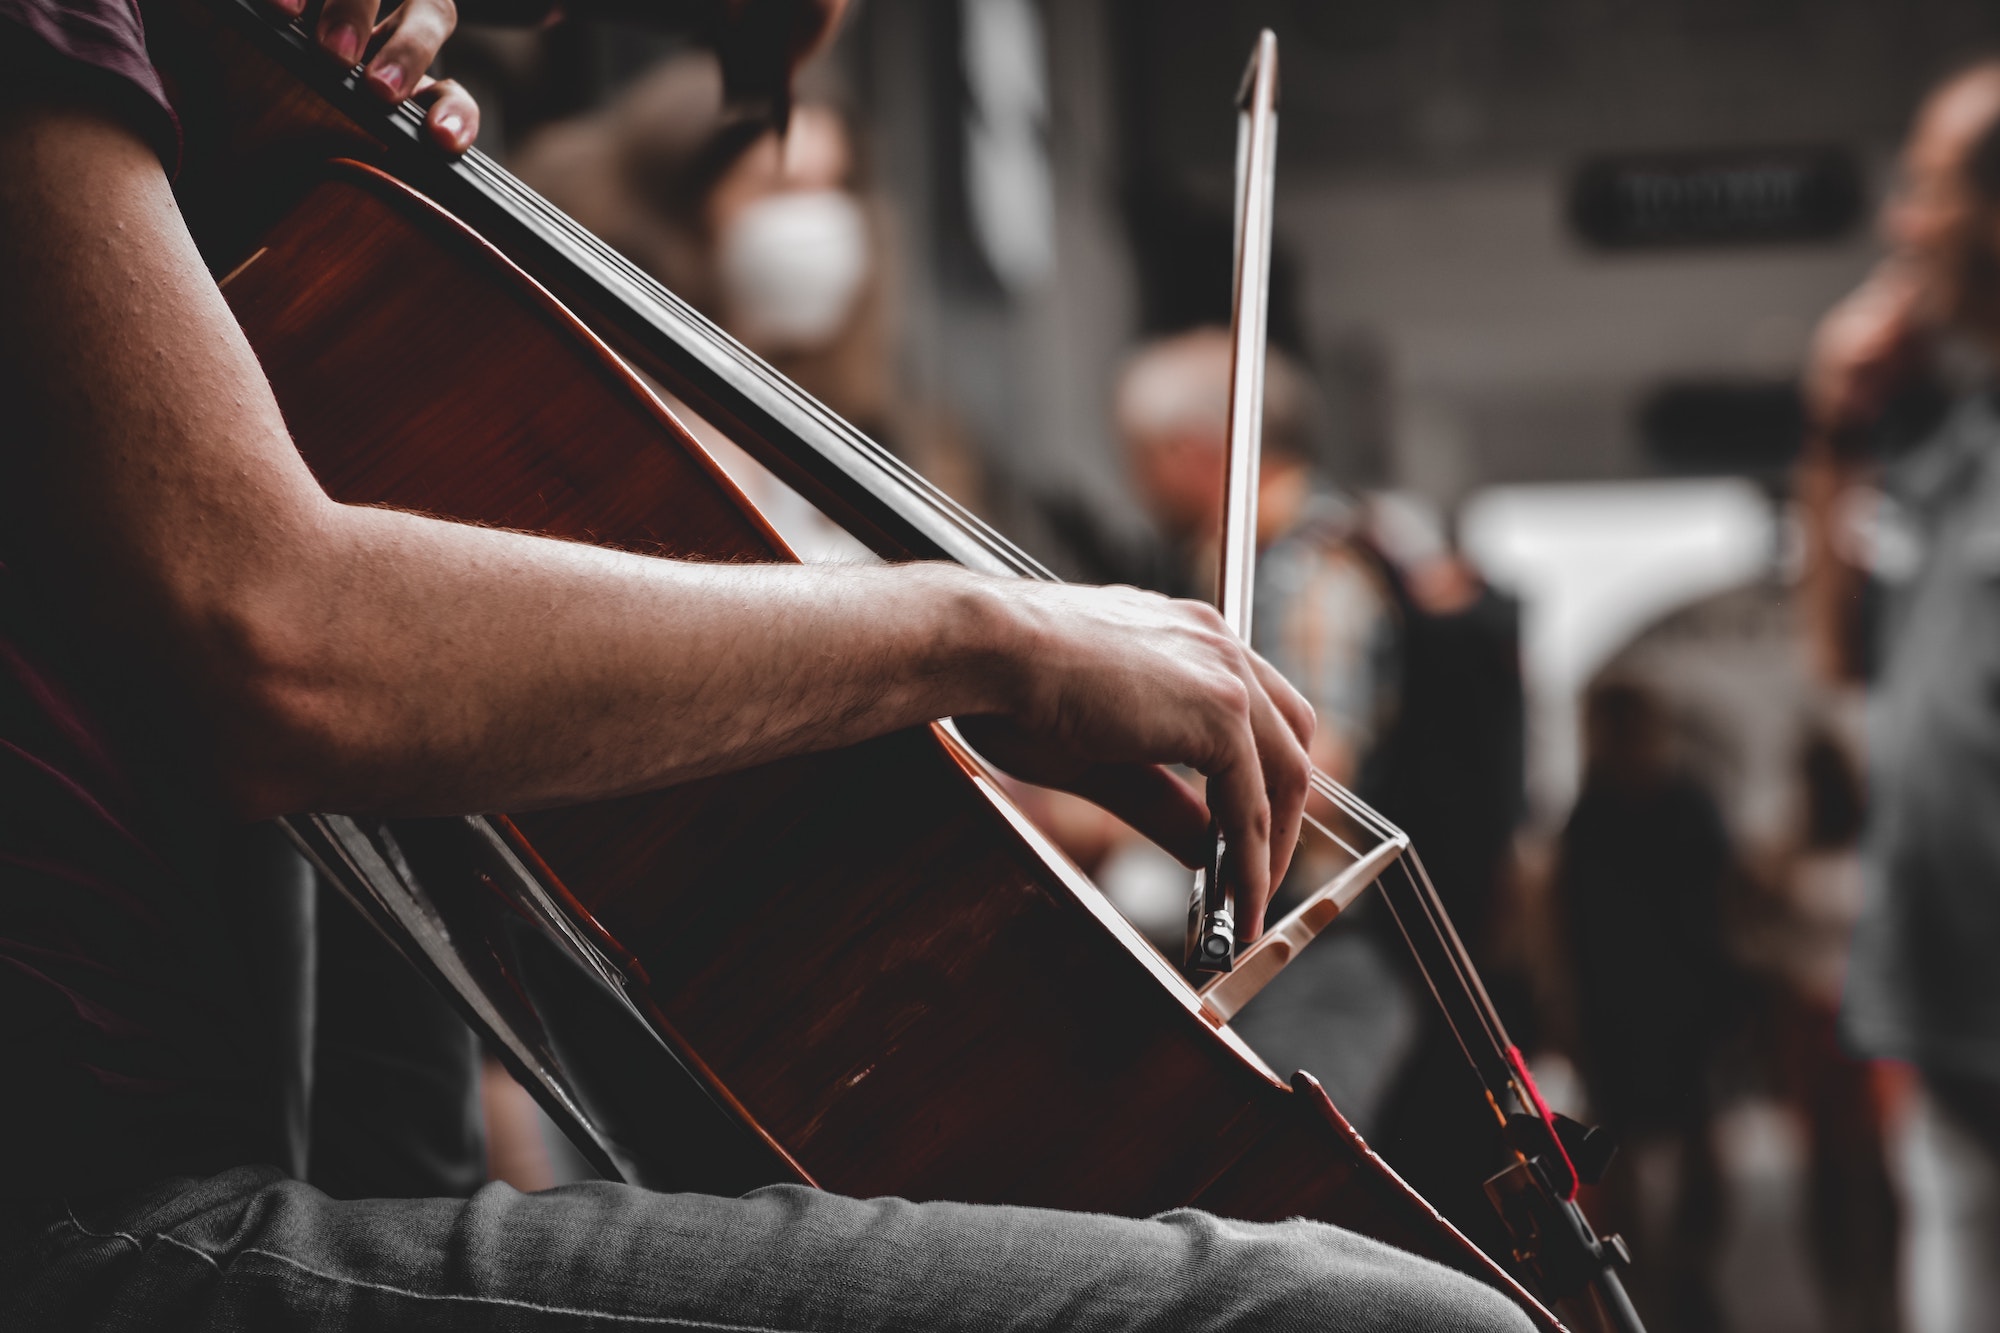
(1356, 1283)
(1444, 1300)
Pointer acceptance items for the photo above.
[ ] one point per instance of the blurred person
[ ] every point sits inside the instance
(1842, 1102)
(1922, 985)
(1323, 617)
(1450, 768)
(194, 636)
(1639, 882)
(1322, 613)
(1450, 772)
(775, 238)
(769, 236)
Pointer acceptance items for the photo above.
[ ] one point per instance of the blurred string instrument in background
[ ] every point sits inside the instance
(864, 970)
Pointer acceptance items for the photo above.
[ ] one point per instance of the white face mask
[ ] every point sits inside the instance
(792, 266)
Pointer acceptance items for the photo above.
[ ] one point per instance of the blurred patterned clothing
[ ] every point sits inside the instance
(1325, 620)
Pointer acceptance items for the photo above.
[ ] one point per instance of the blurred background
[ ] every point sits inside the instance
(1548, 275)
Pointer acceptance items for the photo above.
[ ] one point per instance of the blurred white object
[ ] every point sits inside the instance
(1408, 527)
(1593, 564)
(1150, 888)
(792, 265)
(1951, 1231)
(1561, 1084)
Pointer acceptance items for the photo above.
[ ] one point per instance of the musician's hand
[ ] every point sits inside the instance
(1113, 679)
(407, 41)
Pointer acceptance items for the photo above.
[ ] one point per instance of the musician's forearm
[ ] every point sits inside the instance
(443, 668)
(330, 656)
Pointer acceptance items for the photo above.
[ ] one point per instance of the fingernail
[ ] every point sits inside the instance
(345, 44)
(291, 7)
(454, 125)
(389, 78)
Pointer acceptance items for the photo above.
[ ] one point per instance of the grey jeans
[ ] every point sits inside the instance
(252, 1249)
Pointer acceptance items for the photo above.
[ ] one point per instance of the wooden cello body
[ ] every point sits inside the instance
(862, 969)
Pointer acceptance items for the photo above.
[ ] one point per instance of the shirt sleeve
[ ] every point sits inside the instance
(91, 51)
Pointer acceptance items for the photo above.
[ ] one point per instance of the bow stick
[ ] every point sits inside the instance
(1211, 942)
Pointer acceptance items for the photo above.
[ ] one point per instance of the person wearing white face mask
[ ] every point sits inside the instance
(791, 266)
(768, 237)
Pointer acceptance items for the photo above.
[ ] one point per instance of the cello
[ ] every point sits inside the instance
(864, 969)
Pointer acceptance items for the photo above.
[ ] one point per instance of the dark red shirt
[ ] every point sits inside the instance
(124, 1053)
(93, 49)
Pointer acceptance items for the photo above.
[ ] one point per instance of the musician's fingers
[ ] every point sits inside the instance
(1287, 772)
(451, 116)
(344, 28)
(1242, 808)
(416, 32)
(1291, 705)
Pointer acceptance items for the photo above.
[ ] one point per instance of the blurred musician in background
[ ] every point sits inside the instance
(1922, 553)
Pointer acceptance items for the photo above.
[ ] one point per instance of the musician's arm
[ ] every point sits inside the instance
(333, 657)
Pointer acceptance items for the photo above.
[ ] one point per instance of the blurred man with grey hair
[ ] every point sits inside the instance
(1322, 615)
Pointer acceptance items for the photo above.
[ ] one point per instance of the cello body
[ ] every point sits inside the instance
(862, 970)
